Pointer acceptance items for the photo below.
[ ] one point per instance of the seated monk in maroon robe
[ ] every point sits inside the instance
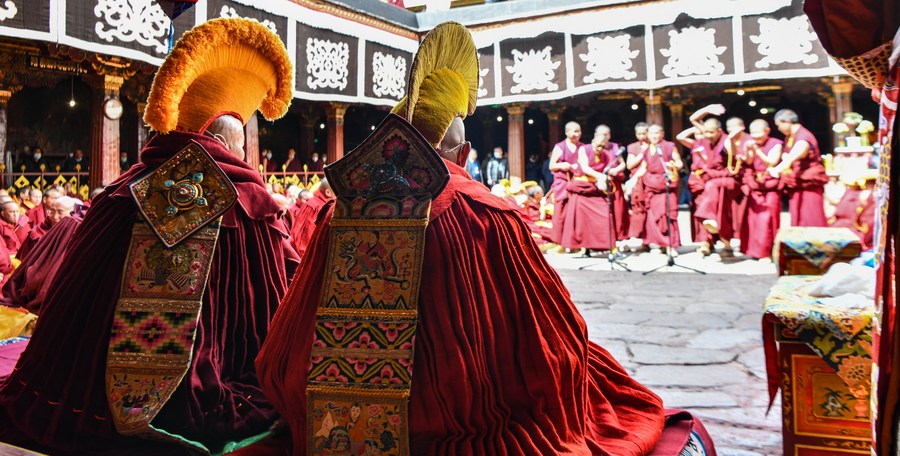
(28, 285)
(13, 226)
(536, 216)
(307, 214)
(38, 214)
(532, 384)
(56, 211)
(801, 171)
(856, 210)
(56, 399)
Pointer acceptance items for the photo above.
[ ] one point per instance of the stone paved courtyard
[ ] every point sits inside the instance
(694, 339)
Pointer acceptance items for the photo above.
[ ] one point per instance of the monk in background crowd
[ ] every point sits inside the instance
(717, 168)
(801, 171)
(658, 167)
(307, 215)
(29, 284)
(764, 196)
(60, 207)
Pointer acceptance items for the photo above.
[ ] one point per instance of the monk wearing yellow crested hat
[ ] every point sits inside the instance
(502, 364)
(146, 342)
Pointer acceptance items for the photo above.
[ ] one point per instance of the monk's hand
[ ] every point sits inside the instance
(602, 183)
(715, 109)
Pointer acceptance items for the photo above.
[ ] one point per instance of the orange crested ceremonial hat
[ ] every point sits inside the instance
(443, 81)
(223, 66)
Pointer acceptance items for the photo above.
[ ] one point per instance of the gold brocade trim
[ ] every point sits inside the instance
(332, 352)
(325, 391)
(333, 312)
(356, 222)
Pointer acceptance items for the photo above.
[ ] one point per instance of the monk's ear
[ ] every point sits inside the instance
(463, 154)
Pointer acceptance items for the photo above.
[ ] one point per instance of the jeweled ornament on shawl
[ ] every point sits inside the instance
(185, 193)
(361, 364)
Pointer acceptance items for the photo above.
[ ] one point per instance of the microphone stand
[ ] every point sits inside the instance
(670, 261)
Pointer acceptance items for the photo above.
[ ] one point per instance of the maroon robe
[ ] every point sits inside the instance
(638, 216)
(269, 165)
(719, 187)
(305, 221)
(656, 228)
(857, 215)
(500, 368)
(585, 214)
(540, 234)
(740, 202)
(763, 207)
(616, 192)
(55, 400)
(317, 166)
(806, 183)
(11, 236)
(36, 215)
(34, 236)
(28, 285)
(292, 166)
(561, 178)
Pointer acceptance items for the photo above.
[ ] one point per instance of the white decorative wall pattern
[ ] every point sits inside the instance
(692, 51)
(388, 75)
(785, 40)
(8, 10)
(482, 72)
(327, 63)
(609, 57)
(228, 11)
(140, 21)
(533, 70)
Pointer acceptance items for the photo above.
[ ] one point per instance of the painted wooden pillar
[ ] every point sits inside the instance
(251, 142)
(334, 114)
(516, 144)
(105, 136)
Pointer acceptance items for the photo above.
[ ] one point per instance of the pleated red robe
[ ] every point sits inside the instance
(763, 208)
(28, 285)
(55, 400)
(503, 365)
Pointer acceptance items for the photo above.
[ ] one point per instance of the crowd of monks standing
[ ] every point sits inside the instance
(605, 196)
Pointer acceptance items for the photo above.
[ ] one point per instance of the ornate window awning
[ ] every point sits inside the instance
(353, 55)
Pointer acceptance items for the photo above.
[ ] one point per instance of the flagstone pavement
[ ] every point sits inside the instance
(693, 339)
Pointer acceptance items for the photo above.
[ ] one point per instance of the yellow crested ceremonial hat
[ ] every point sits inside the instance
(443, 81)
(223, 66)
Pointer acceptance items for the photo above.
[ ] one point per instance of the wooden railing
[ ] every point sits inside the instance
(304, 179)
(76, 181)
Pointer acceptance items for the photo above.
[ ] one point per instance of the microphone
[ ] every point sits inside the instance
(620, 152)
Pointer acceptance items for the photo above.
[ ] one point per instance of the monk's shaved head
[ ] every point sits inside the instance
(229, 130)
